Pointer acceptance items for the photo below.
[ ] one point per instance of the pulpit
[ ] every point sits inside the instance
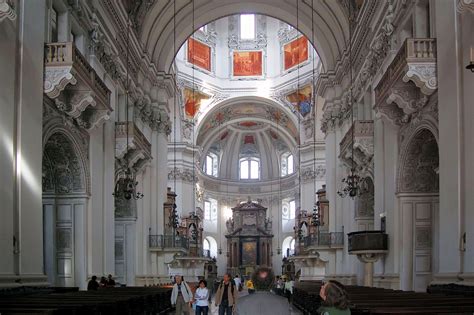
(249, 238)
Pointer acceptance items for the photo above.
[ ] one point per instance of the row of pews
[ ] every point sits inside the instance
(122, 300)
(367, 300)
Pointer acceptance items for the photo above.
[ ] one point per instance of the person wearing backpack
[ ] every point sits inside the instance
(181, 296)
(226, 296)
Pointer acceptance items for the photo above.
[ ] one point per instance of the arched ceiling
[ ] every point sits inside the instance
(162, 36)
(247, 114)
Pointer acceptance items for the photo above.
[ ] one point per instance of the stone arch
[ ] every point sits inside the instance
(64, 170)
(157, 32)
(418, 199)
(66, 191)
(419, 162)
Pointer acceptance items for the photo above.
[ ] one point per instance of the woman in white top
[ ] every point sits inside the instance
(201, 297)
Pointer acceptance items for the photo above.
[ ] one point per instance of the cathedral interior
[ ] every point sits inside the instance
(324, 139)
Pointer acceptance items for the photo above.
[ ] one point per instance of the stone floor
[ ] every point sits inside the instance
(214, 310)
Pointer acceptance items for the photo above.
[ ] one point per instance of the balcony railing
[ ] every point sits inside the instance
(160, 242)
(413, 50)
(325, 239)
(88, 98)
(361, 129)
(135, 136)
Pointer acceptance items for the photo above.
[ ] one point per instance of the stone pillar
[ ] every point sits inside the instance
(369, 259)
(451, 146)
(21, 226)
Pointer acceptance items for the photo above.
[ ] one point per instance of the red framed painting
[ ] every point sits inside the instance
(192, 102)
(199, 54)
(295, 52)
(247, 63)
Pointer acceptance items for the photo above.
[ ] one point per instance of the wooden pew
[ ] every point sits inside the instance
(367, 300)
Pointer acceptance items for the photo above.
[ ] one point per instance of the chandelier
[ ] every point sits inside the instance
(316, 217)
(351, 183)
(125, 179)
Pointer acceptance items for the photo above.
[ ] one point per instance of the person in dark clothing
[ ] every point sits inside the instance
(110, 281)
(93, 285)
(103, 282)
(226, 296)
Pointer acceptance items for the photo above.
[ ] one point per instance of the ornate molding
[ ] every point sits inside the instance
(186, 175)
(423, 75)
(465, 6)
(138, 152)
(74, 86)
(7, 10)
(56, 79)
(308, 173)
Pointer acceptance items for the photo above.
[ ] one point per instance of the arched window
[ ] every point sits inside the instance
(249, 168)
(288, 209)
(287, 164)
(211, 164)
(247, 26)
(288, 246)
(210, 210)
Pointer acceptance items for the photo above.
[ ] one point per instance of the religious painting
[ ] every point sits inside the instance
(192, 102)
(247, 63)
(249, 253)
(301, 100)
(199, 54)
(248, 124)
(295, 52)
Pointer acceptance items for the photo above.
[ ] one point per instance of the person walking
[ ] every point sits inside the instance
(249, 285)
(201, 297)
(226, 296)
(181, 296)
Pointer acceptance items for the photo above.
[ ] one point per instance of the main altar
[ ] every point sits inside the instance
(249, 238)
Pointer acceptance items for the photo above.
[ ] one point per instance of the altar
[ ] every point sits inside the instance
(249, 238)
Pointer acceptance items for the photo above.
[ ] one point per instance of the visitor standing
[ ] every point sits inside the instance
(226, 296)
(201, 297)
(181, 296)
(335, 300)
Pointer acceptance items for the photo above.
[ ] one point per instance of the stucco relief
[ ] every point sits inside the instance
(309, 173)
(56, 79)
(424, 76)
(420, 164)
(7, 10)
(62, 169)
(465, 6)
(186, 175)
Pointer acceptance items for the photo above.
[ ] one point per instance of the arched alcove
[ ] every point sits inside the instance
(64, 207)
(418, 196)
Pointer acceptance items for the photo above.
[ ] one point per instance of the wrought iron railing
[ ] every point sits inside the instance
(167, 241)
(329, 239)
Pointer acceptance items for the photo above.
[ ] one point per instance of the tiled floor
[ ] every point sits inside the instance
(213, 310)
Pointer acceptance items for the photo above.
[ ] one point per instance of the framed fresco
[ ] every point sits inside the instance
(247, 64)
(301, 100)
(199, 54)
(249, 253)
(295, 53)
(192, 102)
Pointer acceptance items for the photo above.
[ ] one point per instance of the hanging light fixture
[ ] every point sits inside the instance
(174, 217)
(125, 179)
(315, 217)
(351, 183)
